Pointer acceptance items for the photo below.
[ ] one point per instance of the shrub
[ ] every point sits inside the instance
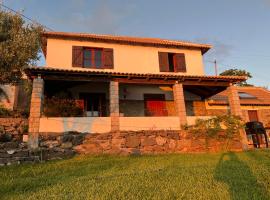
(4, 112)
(56, 107)
(225, 128)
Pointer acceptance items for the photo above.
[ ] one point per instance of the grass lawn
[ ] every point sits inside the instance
(186, 176)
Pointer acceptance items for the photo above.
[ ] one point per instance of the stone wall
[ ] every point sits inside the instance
(151, 142)
(14, 127)
(51, 147)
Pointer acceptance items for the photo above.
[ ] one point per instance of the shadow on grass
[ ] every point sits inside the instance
(237, 175)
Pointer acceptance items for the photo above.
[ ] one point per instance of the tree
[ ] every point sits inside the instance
(20, 45)
(238, 72)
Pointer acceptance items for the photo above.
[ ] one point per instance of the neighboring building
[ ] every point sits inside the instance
(15, 97)
(122, 83)
(255, 104)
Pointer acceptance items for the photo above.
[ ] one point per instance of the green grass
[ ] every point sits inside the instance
(186, 176)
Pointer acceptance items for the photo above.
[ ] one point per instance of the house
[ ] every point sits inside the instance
(119, 83)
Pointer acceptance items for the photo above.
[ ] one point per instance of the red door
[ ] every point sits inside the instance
(155, 105)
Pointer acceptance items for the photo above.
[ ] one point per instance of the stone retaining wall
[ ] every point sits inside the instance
(151, 142)
(15, 127)
(50, 147)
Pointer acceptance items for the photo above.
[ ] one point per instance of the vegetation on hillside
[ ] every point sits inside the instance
(238, 72)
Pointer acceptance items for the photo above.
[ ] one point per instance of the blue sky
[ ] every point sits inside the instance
(238, 29)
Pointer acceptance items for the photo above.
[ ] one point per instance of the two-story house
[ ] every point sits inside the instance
(121, 83)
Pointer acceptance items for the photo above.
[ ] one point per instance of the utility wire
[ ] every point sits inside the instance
(22, 15)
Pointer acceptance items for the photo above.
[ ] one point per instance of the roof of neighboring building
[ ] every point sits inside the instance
(247, 95)
(128, 40)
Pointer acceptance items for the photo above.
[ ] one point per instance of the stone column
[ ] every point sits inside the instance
(234, 101)
(114, 106)
(178, 93)
(235, 109)
(35, 112)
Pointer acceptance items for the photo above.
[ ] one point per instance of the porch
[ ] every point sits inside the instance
(110, 101)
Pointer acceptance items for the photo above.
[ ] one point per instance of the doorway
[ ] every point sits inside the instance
(94, 104)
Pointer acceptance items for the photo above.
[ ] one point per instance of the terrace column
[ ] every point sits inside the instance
(178, 93)
(114, 106)
(235, 107)
(35, 111)
(234, 101)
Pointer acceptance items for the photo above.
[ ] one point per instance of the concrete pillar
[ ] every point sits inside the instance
(234, 101)
(235, 108)
(114, 106)
(178, 93)
(35, 112)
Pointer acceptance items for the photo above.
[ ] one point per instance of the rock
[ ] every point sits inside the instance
(78, 139)
(5, 137)
(66, 145)
(135, 152)
(11, 145)
(50, 144)
(105, 145)
(132, 141)
(22, 153)
(173, 135)
(161, 140)
(4, 155)
(149, 141)
(67, 138)
(104, 136)
(172, 144)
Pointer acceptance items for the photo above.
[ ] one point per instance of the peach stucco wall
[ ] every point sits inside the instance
(103, 124)
(127, 58)
(80, 124)
(149, 123)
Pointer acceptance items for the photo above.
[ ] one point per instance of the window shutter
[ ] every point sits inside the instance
(77, 56)
(163, 62)
(179, 62)
(108, 58)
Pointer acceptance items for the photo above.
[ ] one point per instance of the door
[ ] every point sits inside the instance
(94, 104)
(253, 115)
(155, 105)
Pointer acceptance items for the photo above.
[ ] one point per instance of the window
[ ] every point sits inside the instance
(243, 95)
(172, 62)
(90, 57)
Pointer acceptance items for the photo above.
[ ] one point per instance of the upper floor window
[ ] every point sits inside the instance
(172, 62)
(97, 58)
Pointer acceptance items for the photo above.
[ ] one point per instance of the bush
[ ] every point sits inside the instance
(56, 107)
(225, 128)
(4, 112)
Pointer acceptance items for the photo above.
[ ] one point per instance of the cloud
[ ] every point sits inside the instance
(101, 17)
(220, 50)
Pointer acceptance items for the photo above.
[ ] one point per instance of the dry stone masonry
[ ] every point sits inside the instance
(150, 142)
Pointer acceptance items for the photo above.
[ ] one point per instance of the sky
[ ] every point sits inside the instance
(239, 30)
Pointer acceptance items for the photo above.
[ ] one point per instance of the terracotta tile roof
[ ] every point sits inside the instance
(129, 40)
(168, 75)
(250, 96)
